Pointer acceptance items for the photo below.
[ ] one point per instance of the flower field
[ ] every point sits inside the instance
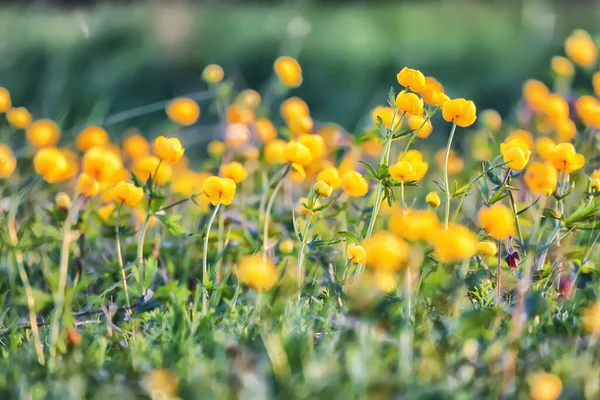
(301, 260)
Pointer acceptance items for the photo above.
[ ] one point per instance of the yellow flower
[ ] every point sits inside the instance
(286, 246)
(330, 176)
(580, 48)
(5, 101)
(249, 98)
(418, 121)
(433, 92)
(301, 124)
(161, 384)
(236, 135)
(541, 178)
(216, 148)
(356, 254)
(296, 152)
(562, 66)
(43, 133)
(259, 273)
(454, 244)
(234, 171)
(460, 111)
(62, 200)
(591, 319)
(535, 94)
(498, 221)
(354, 184)
(292, 108)
(545, 386)
(168, 149)
(87, 186)
(455, 163)
(219, 190)
(106, 211)
(315, 144)
(410, 167)
(288, 71)
(322, 189)
(265, 130)
(239, 114)
(522, 135)
(588, 109)
(414, 225)
(386, 252)
(297, 173)
(183, 111)
(566, 130)
(544, 147)
(564, 158)
(411, 79)
(188, 182)
(556, 107)
(51, 164)
(136, 146)
(595, 83)
(274, 152)
(8, 162)
(91, 136)
(149, 165)
(516, 154)
(72, 164)
(433, 199)
(491, 120)
(18, 117)
(410, 103)
(213, 73)
(387, 115)
(487, 248)
(102, 165)
(128, 194)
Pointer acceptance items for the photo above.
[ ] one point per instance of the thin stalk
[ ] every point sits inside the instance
(301, 251)
(120, 255)
(498, 273)
(63, 269)
(516, 215)
(446, 181)
(140, 247)
(268, 210)
(402, 202)
(205, 259)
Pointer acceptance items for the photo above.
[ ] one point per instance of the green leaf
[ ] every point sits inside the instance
(392, 97)
(383, 171)
(457, 191)
(371, 171)
(551, 213)
(499, 195)
(40, 298)
(584, 212)
(170, 222)
(136, 180)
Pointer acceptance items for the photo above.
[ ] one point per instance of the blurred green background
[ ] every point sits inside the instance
(80, 64)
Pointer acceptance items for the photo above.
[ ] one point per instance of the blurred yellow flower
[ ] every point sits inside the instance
(322, 189)
(411, 79)
(249, 98)
(265, 130)
(580, 48)
(296, 152)
(150, 165)
(386, 252)
(314, 143)
(562, 66)
(102, 165)
(545, 386)
(18, 117)
(544, 146)
(522, 135)
(128, 194)
(219, 190)
(62, 200)
(497, 221)
(236, 135)
(106, 211)
(596, 83)
(535, 94)
(87, 186)
(183, 111)
(555, 107)
(161, 384)
(330, 176)
(418, 124)
(414, 225)
(292, 108)
(136, 146)
(258, 272)
(51, 164)
(239, 114)
(274, 152)
(5, 101)
(588, 109)
(455, 163)
(387, 115)
(288, 71)
(491, 119)
(564, 158)
(356, 253)
(168, 149)
(213, 73)
(91, 136)
(8, 162)
(591, 319)
(454, 244)
(300, 125)
(487, 248)
(541, 178)
(43, 133)
(234, 171)
(566, 130)
(354, 184)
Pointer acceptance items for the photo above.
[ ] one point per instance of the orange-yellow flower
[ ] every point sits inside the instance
(62, 200)
(356, 254)
(301, 124)
(387, 115)
(354, 184)
(545, 386)
(588, 109)
(386, 252)
(168, 149)
(234, 171)
(487, 248)
(522, 135)
(87, 186)
(418, 124)
(454, 244)
(149, 165)
(128, 194)
(274, 152)
(213, 73)
(297, 153)
(411, 79)
(258, 272)
(219, 190)
(249, 98)
(102, 165)
(5, 101)
(51, 164)
(433, 92)
(315, 144)
(541, 178)
(580, 48)
(544, 147)
(596, 83)
(136, 146)
(8, 162)
(433, 199)
(239, 114)
(535, 94)
(18, 117)
(106, 211)
(91, 136)
(460, 111)
(265, 130)
(492, 120)
(566, 130)
(410, 167)
(216, 148)
(330, 176)
(414, 225)
(322, 189)
(591, 319)
(288, 71)
(516, 154)
(236, 135)
(43, 133)
(498, 221)
(564, 158)
(183, 111)
(410, 103)
(556, 107)
(562, 66)
(293, 107)
(455, 163)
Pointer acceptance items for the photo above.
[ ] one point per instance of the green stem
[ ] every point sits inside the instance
(120, 255)
(140, 248)
(205, 279)
(402, 202)
(63, 269)
(499, 273)
(268, 210)
(517, 222)
(301, 252)
(446, 181)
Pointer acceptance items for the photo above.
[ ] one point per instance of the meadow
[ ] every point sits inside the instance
(301, 260)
